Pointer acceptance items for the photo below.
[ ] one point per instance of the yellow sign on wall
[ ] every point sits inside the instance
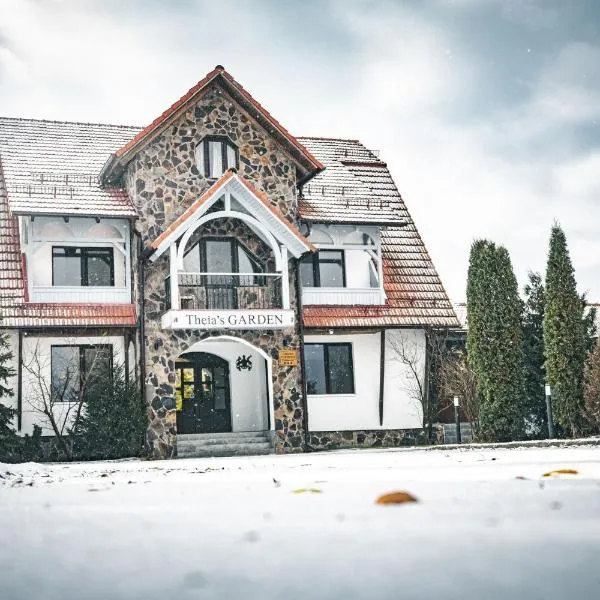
(288, 358)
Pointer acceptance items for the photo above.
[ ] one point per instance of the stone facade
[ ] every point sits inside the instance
(390, 438)
(163, 181)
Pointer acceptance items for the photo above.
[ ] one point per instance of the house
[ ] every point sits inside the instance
(255, 283)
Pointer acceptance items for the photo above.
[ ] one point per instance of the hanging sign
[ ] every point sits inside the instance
(287, 357)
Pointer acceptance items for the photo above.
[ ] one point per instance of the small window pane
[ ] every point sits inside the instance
(65, 375)
(200, 158)
(315, 368)
(340, 369)
(100, 270)
(218, 256)
(215, 156)
(97, 364)
(66, 266)
(306, 272)
(231, 163)
(331, 270)
(191, 260)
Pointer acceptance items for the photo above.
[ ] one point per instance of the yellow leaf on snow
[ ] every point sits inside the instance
(396, 498)
(559, 472)
(307, 491)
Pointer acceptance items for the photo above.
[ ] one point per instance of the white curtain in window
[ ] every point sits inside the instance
(200, 158)
(230, 157)
(216, 159)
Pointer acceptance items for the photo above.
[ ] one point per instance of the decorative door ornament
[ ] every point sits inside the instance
(244, 362)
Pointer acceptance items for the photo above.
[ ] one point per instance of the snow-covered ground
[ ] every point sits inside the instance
(487, 525)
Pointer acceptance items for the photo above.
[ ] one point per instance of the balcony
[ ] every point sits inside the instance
(227, 291)
(227, 301)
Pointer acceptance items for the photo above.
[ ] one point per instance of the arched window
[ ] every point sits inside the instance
(214, 155)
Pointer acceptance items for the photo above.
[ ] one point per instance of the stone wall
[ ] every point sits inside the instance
(163, 179)
(164, 346)
(387, 438)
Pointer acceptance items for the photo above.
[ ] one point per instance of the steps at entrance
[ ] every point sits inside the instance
(200, 445)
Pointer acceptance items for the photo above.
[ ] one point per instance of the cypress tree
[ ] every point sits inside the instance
(495, 342)
(533, 350)
(564, 337)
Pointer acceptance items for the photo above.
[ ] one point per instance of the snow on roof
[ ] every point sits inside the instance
(52, 167)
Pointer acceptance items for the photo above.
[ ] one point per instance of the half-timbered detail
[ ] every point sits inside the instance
(257, 285)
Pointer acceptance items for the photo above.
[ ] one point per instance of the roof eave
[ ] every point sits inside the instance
(304, 159)
(314, 220)
(67, 213)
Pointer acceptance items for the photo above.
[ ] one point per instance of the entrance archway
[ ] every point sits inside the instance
(244, 391)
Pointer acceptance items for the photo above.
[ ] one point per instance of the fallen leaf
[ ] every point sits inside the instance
(559, 472)
(396, 498)
(307, 491)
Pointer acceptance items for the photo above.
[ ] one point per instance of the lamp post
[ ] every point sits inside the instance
(457, 420)
(551, 432)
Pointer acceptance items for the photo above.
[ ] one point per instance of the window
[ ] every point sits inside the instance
(223, 255)
(77, 368)
(214, 155)
(72, 266)
(329, 368)
(325, 268)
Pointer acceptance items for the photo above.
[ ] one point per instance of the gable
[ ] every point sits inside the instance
(306, 164)
(258, 213)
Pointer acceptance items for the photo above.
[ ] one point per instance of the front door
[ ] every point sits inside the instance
(202, 393)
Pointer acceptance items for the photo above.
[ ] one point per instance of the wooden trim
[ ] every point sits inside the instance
(20, 383)
(381, 375)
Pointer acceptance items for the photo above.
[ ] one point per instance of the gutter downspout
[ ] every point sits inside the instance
(20, 383)
(381, 375)
(142, 317)
(302, 363)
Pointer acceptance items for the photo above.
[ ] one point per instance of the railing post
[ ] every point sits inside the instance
(174, 277)
(285, 279)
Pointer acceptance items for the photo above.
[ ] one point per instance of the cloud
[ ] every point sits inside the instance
(425, 83)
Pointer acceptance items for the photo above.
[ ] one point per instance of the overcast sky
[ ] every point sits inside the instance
(486, 111)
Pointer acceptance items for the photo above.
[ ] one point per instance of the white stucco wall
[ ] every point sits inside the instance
(361, 410)
(249, 396)
(12, 382)
(33, 346)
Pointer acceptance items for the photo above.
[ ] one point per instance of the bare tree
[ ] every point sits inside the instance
(419, 361)
(60, 403)
(455, 378)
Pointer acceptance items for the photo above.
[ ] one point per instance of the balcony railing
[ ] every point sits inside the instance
(226, 291)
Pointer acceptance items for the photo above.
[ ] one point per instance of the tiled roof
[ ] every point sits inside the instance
(52, 167)
(14, 310)
(69, 315)
(355, 187)
(219, 75)
(415, 294)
